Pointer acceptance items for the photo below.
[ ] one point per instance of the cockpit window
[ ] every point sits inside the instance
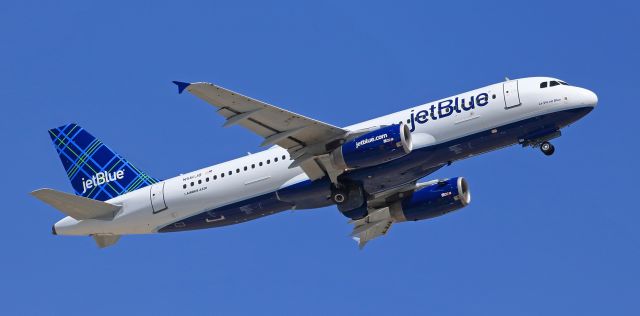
(552, 83)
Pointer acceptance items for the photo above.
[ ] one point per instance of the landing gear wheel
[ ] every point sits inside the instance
(547, 148)
(339, 197)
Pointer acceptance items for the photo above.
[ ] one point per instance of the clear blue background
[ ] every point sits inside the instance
(543, 236)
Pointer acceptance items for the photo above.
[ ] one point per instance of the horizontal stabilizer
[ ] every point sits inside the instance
(76, 206)
(104, 240)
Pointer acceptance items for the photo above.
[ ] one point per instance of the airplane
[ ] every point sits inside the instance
(371, 171)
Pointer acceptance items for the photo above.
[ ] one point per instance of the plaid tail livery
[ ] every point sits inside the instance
(95, 171)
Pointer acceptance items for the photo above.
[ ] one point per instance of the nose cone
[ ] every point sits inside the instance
(587, 97)
(591, 97)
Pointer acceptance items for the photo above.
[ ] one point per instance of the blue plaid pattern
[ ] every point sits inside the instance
(84, 156)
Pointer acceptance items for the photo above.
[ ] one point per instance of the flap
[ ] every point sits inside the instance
(374, 225)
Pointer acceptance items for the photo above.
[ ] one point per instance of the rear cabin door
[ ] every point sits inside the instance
(511, 94)
(157, 197)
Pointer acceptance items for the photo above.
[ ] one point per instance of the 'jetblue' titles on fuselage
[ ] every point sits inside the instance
(447, 107)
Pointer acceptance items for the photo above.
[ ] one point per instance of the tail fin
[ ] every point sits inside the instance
(95, 171)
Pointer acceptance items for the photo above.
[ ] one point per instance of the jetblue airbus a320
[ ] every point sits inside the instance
(371, 170)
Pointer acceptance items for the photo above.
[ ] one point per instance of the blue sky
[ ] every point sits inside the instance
(544, 235)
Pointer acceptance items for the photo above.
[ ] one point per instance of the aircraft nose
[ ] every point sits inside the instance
(591, 97)
(588, 97)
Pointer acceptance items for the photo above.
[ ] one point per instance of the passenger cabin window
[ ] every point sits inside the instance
(543, 85)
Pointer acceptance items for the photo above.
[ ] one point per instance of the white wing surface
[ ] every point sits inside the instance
(304, 137)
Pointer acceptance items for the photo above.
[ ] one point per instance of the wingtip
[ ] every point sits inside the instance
(37, 192)
(181, 85)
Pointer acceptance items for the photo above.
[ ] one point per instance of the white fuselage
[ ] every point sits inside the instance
(256, 174)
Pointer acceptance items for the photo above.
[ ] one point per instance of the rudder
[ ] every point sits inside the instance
(95, 171)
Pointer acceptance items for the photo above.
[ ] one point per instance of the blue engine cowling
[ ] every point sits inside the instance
(374, 148)
(436, 199)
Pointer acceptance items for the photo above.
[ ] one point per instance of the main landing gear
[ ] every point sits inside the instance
(547, 148)
(350, 199)
(338, 197)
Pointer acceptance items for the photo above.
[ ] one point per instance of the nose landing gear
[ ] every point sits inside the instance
(547, 148)
(541, 140)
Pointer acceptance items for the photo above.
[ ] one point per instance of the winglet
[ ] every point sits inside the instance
(181, 85)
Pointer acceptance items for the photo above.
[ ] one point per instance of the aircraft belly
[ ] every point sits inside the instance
(234, 213)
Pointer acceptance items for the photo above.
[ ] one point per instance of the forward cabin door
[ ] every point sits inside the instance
(157, 197)
(511, 94)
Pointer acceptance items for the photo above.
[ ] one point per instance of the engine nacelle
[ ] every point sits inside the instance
(437, 199)
(374, 148)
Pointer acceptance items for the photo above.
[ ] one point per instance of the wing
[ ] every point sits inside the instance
(374, 225)
(304, 138)
(384, 210)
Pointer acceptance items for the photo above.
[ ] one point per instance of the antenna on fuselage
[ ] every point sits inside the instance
(506, 78)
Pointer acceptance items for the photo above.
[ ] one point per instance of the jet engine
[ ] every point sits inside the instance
(373, 148)
(436, 199)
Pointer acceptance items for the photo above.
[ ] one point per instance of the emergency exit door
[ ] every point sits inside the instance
(157, 197)
(511, 94)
